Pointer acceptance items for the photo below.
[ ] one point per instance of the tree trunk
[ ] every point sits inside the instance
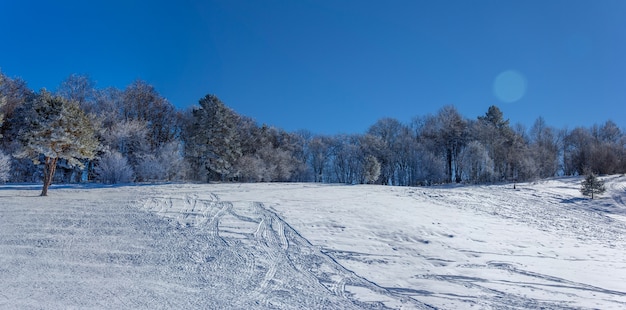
(449, 166)
(49, 168)
(592, 189)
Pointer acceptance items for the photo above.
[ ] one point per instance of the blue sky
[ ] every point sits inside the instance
(336, 66)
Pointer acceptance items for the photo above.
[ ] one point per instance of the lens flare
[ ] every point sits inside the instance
(509, 86)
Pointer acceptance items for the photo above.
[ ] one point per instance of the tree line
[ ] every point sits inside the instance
(84, 134)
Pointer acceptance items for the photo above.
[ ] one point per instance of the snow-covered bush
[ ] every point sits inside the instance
(149, 169)
(113, 168)
(250, 169)
(167, 165)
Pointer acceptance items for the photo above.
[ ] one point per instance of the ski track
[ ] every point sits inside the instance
(156, 252)
(272, 253)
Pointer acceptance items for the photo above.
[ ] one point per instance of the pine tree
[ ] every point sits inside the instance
(57, 129)
(495, 118)
(213, 140)
(591, 185)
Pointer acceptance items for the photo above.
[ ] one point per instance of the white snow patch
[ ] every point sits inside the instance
(291, 246)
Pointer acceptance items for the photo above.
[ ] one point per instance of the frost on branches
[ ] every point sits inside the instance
(213, 142)
(5, 167)
(57, 129)
(5, 160)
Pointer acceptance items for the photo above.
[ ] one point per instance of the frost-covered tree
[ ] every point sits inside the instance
(592, 185)
(280, 153)
(319, 148)
(608, 149)
(250, 168)
(577, 151)
(388, 131)
(371, 145)
(5, 160)
(108, 107)
(3, 102)
(130, 138)
(275, 157)
(544, 148)
(113, 168)
(347, 159)
(279, 164)
(492, 130)
(371, 169)
(13, 94)
(5, 167)
(167, 164)
(476, 164)
(56, 129)
(519, 161)
(430, 168)
(141, 102)
(407, 157)
(447, 132)
(212, 139)
(81, 89)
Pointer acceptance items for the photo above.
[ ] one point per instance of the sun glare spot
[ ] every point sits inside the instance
(509, 86)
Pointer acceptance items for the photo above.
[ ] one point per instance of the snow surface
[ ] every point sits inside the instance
(313, 246)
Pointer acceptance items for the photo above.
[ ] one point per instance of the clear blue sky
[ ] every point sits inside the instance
(336, 66)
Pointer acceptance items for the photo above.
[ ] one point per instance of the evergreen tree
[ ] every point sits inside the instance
(591, 185)
(212, 140)
(495, 118)
(56, 129)
(493, 131)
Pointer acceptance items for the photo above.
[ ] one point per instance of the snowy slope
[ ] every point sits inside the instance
(295, 246)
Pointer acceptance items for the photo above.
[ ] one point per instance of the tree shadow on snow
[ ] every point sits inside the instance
(38, 186)
(573, 200)
(605, 205)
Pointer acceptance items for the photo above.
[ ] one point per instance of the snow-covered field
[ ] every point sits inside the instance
(310, 246)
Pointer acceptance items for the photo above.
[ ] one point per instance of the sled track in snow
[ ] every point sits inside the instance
(285, 270)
